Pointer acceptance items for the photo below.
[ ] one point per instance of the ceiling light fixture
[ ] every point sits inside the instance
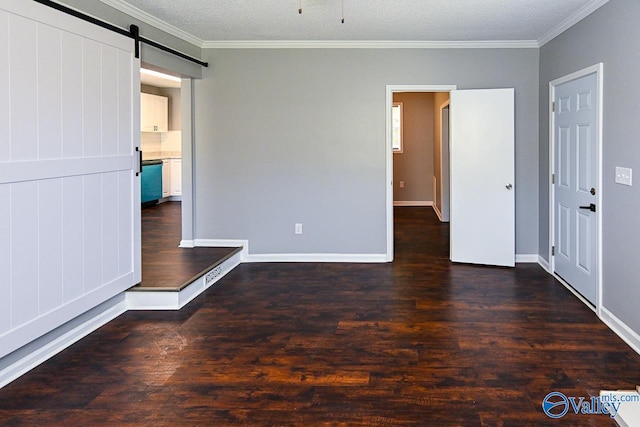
(300, 10)
(159, 74)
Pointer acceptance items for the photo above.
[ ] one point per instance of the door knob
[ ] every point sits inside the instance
(509, 186)
(591, 207)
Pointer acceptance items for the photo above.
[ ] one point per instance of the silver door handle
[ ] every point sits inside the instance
(509, 186)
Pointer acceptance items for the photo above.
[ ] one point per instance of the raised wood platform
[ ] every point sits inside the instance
(173, 276)
(165, 266)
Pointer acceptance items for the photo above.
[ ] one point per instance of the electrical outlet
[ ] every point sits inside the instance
(623, 176)
(298, 228)
(401, 184)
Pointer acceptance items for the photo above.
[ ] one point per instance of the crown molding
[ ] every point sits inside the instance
(147, 18)
(369, 44)
(573, 19)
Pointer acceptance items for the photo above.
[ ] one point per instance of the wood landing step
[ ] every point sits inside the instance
(149, 297)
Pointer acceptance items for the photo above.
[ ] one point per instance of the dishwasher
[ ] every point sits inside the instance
(151, 185)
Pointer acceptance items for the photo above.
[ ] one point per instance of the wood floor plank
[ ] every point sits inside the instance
(420, 342)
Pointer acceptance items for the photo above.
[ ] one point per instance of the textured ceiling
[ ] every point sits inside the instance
(393, 20)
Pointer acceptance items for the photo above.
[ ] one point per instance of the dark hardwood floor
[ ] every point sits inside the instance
(165, 265)
(417, 342)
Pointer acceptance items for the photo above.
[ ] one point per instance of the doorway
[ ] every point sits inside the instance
(482, 173)
(391, 90)
(575, 196)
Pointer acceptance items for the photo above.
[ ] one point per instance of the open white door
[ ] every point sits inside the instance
(482, 126)
(69, 194)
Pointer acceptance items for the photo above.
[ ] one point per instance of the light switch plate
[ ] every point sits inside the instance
(624, 175)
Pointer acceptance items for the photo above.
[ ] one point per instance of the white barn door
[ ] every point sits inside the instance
(482, 159)
(69, 194)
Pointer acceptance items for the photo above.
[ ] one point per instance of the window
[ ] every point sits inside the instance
(396, 125)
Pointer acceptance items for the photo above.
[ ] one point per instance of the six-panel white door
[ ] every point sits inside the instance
(69, 194)
(575, 165)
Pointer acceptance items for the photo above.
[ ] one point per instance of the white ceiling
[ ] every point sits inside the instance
(209, 21)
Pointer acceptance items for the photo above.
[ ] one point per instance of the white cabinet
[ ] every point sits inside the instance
(166, 178)
(176, 177)
(154, 113)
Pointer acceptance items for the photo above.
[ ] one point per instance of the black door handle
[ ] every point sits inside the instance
(591, 207)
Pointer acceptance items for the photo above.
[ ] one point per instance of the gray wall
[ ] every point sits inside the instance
(414, 165)
(298, 135)
(610, 35)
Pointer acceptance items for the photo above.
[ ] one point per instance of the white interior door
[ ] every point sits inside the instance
(482, 125)
(575, 165)
(70, 197)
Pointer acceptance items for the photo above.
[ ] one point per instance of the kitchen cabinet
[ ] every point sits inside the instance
(166, 178)
(176, 177)
(154, 113)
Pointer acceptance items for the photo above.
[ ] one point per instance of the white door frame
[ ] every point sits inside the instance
(187, 218)
(391, 89)
(443, 211)
(598, 70)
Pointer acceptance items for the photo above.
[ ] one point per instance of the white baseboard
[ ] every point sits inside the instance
(621, 329)
(172, 300)
(224, 243)
(354, 258)
(544, 264)
(437, 211)
(186, 244)
(36, 352)
(412, 203)
(527, 258)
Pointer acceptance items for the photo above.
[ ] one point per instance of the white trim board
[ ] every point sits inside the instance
(544, 264)
(147, 18)
(437, 211)
(621, 329)
(40, 350)
(571, 20)
(412, 203)
(527, 258)
(317, 258)
(224, 243)
(370, 44)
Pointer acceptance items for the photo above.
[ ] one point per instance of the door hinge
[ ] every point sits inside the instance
(553, 106)
(553, 250)
(553, 178)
